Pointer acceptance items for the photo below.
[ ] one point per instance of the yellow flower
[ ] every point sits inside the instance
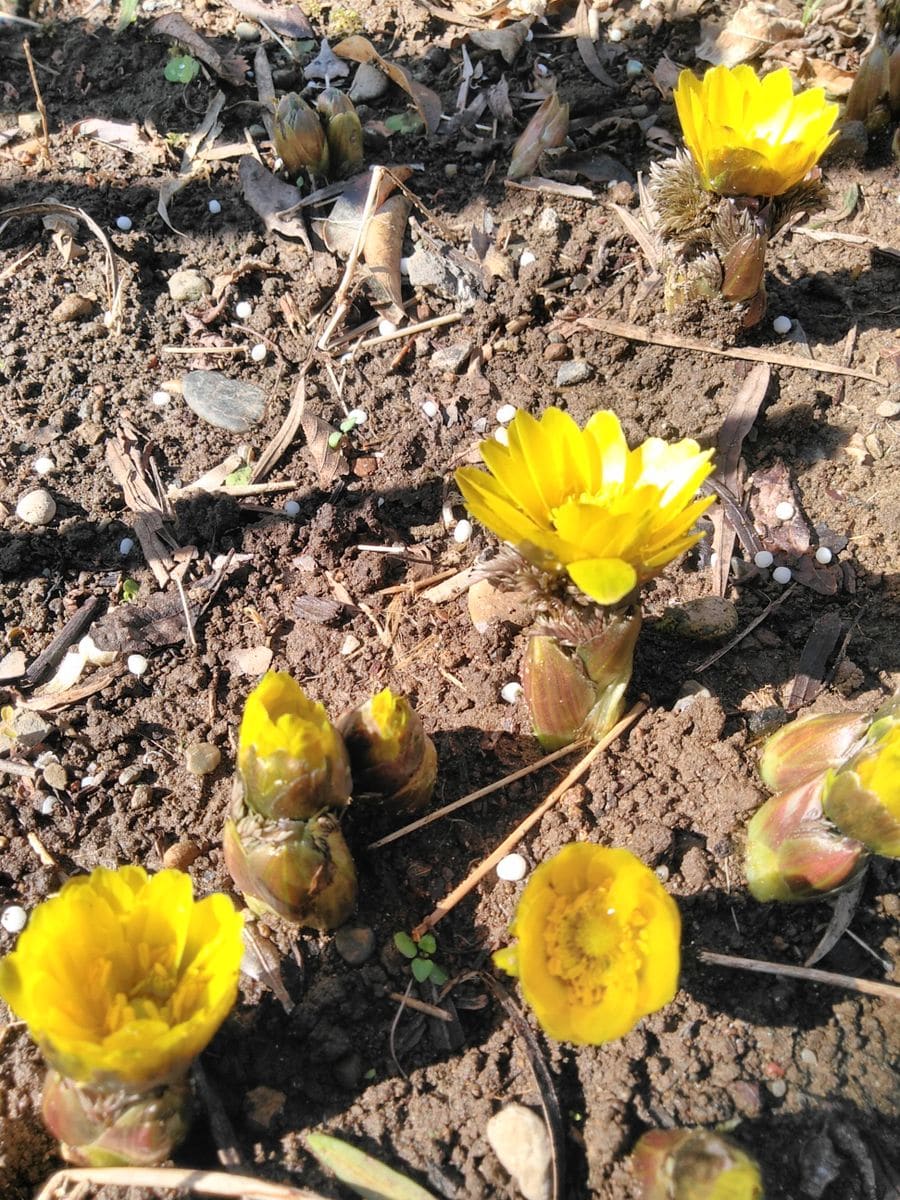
(863, 797)
(598, 944)
(750, 136)
(578, 500)
(122, 978)
(291, 758)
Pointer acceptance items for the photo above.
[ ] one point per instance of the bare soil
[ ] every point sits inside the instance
(804, 1076)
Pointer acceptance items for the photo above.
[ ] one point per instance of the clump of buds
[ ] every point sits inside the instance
(694, 1164)
(874, 97)
(392, 758)
(575, 676)
(838, 802)
(283, 847)
(343, 132)
(545, 131)
(325, 141)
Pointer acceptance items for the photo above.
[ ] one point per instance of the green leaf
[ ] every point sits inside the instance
(365, 1175)
(405, 122)
(428, 943)
(182, 69)
(130, 589)
(239, 477)
(421, 968)
(127, 14)
(438, 976)
(335, 439)
(405, 945)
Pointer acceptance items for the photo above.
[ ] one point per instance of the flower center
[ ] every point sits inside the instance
(588, 943)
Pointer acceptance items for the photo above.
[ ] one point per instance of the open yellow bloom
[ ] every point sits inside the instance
(579, 501)
(863, 797)
(750, 136)
(598, 944)
(122, 978)
(291, 758)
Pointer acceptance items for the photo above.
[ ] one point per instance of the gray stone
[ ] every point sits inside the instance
(570, 373)
(519, 1138)
(355, 944)
(888, 409)
(188, 285)
(36, 508)
(202, 758)
(453, 358)
(706, 619)
(223, 402)
(368, 84)
(246, 31)
(55, 776)
(31, 729)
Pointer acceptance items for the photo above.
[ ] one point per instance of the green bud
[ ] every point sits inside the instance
(299, 137)
(808, 747)
(391, 756)
(114, 1128)
(343, 132)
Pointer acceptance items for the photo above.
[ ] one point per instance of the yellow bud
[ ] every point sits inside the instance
(391, 755)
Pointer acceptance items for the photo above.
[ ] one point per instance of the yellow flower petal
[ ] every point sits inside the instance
(123, 979)
(750, 136)
(598, 944)
(580, 502)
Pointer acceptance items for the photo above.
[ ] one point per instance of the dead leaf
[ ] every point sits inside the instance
(230, 67)
(270, 198)
(286, 19)
(819, 73)
(814, 658)
(339, 229)
(265, 90)
(139, 628)
(771, 488)
(123, 136)
(329, 463)
(752, 30)
(382, 251)
(326, 65)
(507, 41)
(360, 49)
(250, 660)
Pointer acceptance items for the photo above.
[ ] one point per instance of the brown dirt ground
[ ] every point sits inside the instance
(804, 1075)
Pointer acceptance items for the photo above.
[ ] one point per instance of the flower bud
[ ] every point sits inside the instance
(301, 870)
(114, 1128)
(576, 688)
(863, 798)
(291, 760)
(299, 137)
(868, 97)
(545, 131)
(694, 1164)
(809, 746)
(794, 853)
(343, 132)
(391, 755)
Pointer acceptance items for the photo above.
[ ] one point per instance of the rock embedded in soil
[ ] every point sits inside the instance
(368, 84)
(36, 508)
(55, 776)
(181, 855)
(574, 372)
(225, 403)
(888, 409)
(518, 1137)
(72, 308)
(453, 358)
(202, 758)
(188, 285)
(246, 31)
(706, 619)
(355, 944)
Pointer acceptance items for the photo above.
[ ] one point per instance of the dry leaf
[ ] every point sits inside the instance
(752, 30)
(286, 19)
(339, 229)
(329, 463)
(819, 73)
(507, 41)
(250, 660)
(123, 136)
(270, 198)
(382, 251)
(360, 49)
(771, 488)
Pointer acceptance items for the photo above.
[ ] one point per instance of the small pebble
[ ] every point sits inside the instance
(782, 325)
(512, 868)
(180, 856)
(784, 511)
(202, 758)
(808, 1056)
(355, 944)
(243, 310)
(764, 559)
(14, 918)
(778, 1088)
(123, 223)
(47, 805)
(188, 285)
(782, 574)
(291, 508)
(823, 555)
(662, 873)
(462, 532)
(126, 546)
(246, 31)
(259, 352)
(160, 399)
(570, 373)
(43, 466)
(36, 508)
(430, 409)
(510, 692)
(633, 68)
(519, 1138)
(358, 416)
(386, 327)
(55, 776)
(131, 774)
(214, 207)
(136, 664)
(501, 436)
(505, 413)
(527, 258)
(888, 409)
(615, 34)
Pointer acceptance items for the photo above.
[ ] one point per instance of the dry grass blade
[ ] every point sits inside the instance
(635, 333)
(113, 317)
(361, 1173)
(869, 987)
(175, 1179)
(459, 893)
(39, 101)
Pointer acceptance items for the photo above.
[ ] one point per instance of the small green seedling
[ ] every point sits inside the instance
(419, 953)
(182, 69)
(239, 477)
(130, 590)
